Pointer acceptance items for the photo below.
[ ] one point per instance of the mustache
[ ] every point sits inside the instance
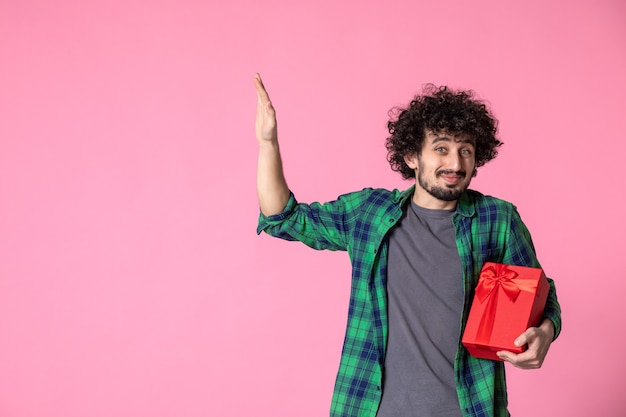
(460, 173)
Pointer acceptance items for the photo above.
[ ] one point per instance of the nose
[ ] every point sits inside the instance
(454, 161)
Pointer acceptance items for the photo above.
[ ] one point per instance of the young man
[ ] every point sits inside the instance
(416, 256)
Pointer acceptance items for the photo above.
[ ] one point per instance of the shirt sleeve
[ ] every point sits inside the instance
(320, 226)
(521, 251)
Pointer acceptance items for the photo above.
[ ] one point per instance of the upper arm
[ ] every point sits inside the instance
(521, 251)
(318, 225)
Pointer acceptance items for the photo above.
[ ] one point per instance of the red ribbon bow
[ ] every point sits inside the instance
(494, 277)
(491, 280)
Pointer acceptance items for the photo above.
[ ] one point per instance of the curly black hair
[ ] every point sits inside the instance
(440, 109)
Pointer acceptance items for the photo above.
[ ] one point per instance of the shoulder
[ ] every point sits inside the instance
(379, 197)
(485, 207)
(483, 201)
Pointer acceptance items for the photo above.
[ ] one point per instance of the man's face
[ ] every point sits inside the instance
(443, 169)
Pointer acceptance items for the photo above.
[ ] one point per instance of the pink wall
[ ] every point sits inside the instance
(132, 282)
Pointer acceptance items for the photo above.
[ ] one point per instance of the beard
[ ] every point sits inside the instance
(441, 193)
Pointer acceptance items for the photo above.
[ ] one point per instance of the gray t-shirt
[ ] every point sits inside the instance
(425, 290)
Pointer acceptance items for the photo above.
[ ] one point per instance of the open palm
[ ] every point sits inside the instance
(265, 113)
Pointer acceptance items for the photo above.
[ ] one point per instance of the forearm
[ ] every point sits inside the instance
(272, 190)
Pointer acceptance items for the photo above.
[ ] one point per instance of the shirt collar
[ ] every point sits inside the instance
(404, 196)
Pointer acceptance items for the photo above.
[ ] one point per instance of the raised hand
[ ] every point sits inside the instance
(272, 187)
(265, 114)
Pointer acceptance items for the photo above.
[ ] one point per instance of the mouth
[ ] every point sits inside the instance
(451, 177)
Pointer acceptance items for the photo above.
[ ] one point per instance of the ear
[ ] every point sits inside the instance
(411, 160)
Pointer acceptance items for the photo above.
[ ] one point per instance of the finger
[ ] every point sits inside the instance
(516, 360)
(527, 337)
(528, 359)
(258, 79)
(260, 89)
(507, 356)
(521, 340)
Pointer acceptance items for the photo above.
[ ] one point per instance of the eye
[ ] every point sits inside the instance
(440, 149)
(466, 152)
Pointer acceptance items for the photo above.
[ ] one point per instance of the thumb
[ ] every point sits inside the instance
(522, 339)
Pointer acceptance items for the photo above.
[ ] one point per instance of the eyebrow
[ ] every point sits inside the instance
(448, 139)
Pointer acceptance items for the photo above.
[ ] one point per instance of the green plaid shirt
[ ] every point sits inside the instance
(487, 229)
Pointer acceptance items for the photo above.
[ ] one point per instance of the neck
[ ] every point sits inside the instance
(424, 199)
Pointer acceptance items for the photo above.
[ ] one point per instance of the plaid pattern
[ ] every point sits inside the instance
(487, 229)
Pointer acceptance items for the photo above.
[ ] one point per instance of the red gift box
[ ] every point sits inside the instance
(508, 300)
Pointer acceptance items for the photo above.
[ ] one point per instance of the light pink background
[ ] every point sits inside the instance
(132, 282)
